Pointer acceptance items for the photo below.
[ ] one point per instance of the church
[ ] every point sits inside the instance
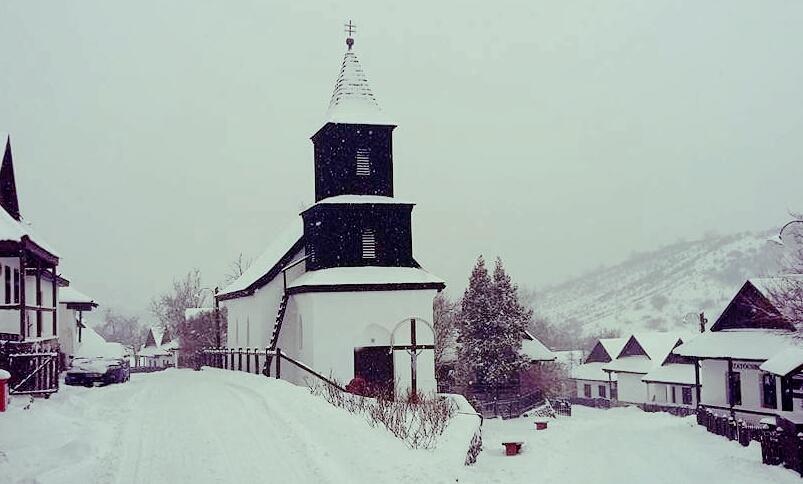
(340, 289)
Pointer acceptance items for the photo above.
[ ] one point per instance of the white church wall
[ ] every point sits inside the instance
(251, 318)
(292, 342)
(334, 324)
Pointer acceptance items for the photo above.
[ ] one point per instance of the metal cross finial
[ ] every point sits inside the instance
(350, 30)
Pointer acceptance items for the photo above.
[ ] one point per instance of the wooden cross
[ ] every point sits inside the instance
(414, 349)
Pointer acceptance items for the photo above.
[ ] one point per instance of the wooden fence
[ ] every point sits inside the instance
(780, 445)
(256, 361)
(591, 402)
(32, 373)
(519, 405)
(678, 411)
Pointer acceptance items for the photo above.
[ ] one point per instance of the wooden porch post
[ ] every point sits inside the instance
(697, 389)
(38, 299)
(20, 282)
(55, 302)
(730, 385)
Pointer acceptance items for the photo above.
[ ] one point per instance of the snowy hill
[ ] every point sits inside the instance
(653, 291)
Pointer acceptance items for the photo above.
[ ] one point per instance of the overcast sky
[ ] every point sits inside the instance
(152, 137)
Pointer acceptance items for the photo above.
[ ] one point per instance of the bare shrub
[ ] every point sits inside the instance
(418, 420)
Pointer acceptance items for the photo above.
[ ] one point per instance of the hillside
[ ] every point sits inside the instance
(653, 291)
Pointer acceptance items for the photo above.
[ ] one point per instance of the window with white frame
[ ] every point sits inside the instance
(368, 244)
(363, 161)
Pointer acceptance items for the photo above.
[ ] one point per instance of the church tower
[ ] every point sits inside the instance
(340, 290)
(355, 221)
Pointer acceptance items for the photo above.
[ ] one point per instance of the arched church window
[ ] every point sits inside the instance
(368, 244)
(363, 161)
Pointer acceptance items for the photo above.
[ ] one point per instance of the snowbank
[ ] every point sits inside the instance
(94, 346)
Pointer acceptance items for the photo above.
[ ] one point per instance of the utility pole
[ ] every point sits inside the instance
(217, 318)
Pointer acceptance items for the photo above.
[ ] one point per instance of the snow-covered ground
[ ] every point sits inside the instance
(214, 426)
(620, 445)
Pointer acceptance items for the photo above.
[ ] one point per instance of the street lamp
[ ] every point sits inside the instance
(217, 311)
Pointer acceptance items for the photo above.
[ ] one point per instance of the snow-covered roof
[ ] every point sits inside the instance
(613, 345)
(281, 245)
(657, 345)
(746, 344)
(70, 294)
(93, 345)
(672, 373)
(574, 357)
(364, 199)
(153, 351)
(13, 230)
(352, 101)
(784, 362)
(631, 364)
(535, 350)
(591, 371)
(367, 275)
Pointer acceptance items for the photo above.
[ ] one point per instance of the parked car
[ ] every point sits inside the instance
(88, 371)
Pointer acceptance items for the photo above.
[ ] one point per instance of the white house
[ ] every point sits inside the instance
(72, 305)
(747, 362)
(159, 350)
(591, 380)
(339, 289)
(641, 354)
(28, 278)
(672, 384)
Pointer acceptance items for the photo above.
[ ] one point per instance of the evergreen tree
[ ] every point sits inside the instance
(491, 323)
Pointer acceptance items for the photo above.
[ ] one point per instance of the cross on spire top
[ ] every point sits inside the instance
(350, 30)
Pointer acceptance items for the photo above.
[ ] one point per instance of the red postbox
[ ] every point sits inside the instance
(4, 378)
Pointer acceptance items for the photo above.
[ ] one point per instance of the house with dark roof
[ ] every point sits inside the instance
(641, 355)
(749, 364)
(590, 380)
(28, 278)
(72, 306)
(159, 350)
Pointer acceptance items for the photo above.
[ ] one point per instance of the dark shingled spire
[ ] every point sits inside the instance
(8, 187)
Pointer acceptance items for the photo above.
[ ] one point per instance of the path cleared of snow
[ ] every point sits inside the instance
(181, 426)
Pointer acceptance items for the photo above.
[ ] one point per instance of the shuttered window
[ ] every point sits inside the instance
(363, 162)
(368, 244)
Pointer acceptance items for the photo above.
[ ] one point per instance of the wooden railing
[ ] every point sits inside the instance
(249, 360)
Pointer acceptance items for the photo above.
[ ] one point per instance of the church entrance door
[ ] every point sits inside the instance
(374, 364)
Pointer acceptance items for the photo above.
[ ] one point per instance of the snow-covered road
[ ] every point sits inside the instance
(181, 426)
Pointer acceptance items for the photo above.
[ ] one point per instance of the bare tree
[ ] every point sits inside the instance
(785, 291)
(121, 328)
(444, 320)
(237, 268)
(170, 308)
